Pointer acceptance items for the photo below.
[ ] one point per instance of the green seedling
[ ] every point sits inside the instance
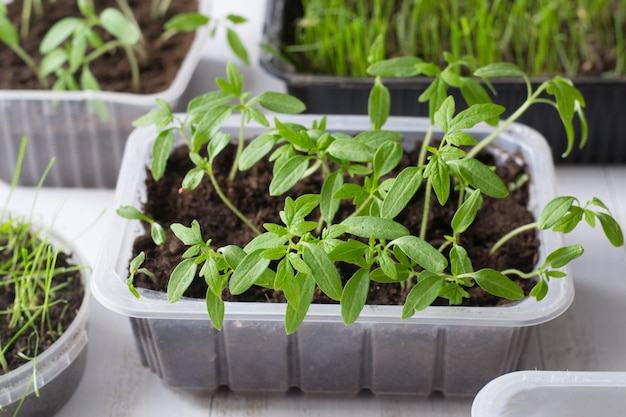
(542, 38)
(73, 43)
(30, 275)
(360, 172)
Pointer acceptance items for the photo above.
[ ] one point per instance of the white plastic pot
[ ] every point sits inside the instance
(455, 350)
(553, 394)
(59, 368)
(63, 124)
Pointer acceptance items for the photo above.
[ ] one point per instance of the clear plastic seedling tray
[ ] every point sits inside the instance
(88, 144)
(455, 350)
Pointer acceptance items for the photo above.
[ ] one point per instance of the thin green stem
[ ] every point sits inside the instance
(229, 204)
(427, 197)
(31, 64)
(510, 235)
(240, 143)
(512, 118)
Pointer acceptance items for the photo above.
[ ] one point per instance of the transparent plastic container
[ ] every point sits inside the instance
(553, 394)
(59, 368)
(455, 350)
(88, 145)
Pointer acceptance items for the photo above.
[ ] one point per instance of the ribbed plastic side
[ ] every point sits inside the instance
(257, 356)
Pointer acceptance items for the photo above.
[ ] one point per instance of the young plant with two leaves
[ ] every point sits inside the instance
(359, 172)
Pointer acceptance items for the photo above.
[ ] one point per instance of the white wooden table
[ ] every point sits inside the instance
(591, 335)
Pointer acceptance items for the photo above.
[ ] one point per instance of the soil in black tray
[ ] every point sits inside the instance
(64, 306)
(158, 67)
(167, 204)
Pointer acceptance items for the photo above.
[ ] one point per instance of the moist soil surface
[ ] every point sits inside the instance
(167, 203)
(158, 67)
(65, 304)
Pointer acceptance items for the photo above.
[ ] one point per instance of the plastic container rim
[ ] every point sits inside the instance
(504, 387)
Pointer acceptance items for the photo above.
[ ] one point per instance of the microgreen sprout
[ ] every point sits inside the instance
(34, 282)
(542, 38)
(361, 171)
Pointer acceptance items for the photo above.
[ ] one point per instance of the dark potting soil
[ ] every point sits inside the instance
(157, 69)
(65, 304)
(167, 204)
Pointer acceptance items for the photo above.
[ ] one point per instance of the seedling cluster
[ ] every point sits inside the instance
(360, 171)
(73, 43)
(543, 38)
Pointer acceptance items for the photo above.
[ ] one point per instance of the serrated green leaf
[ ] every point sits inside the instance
(265, 241)
(88, 81)
(374, 138)
(498, 70)
(161, 150)
(157, 233)
(380, 228)
(460, 262)
(236, 19)
(611, 229)
(354, 296)
(325, 273)
(350, 150)
(498, 284)
(213, 120)
(257, 150)
(475, 114)
(188, 235)
(569, 222)
(328, 203)
(295, 316)
(554, 211)
(438, 172)
(387, 265)
(350, 251)
(186, 22)
(459, 138)
(217, 144)
(53, 61)
(8, 33)
(247, 272)
(466, 213)
(540, 290)
(237, 46)
(378, 104)
(180, 279)
(114, 22)
(193, 178)
(422, 253)
(288, 174)
(395, 67)
(564, 255)
(443, 115)
(215, 309)
(131, 213)
(401, 192)
(422, 295)
(59, 33)
(233, 255)
(387, 157)
(483, 178)
(281, 103)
